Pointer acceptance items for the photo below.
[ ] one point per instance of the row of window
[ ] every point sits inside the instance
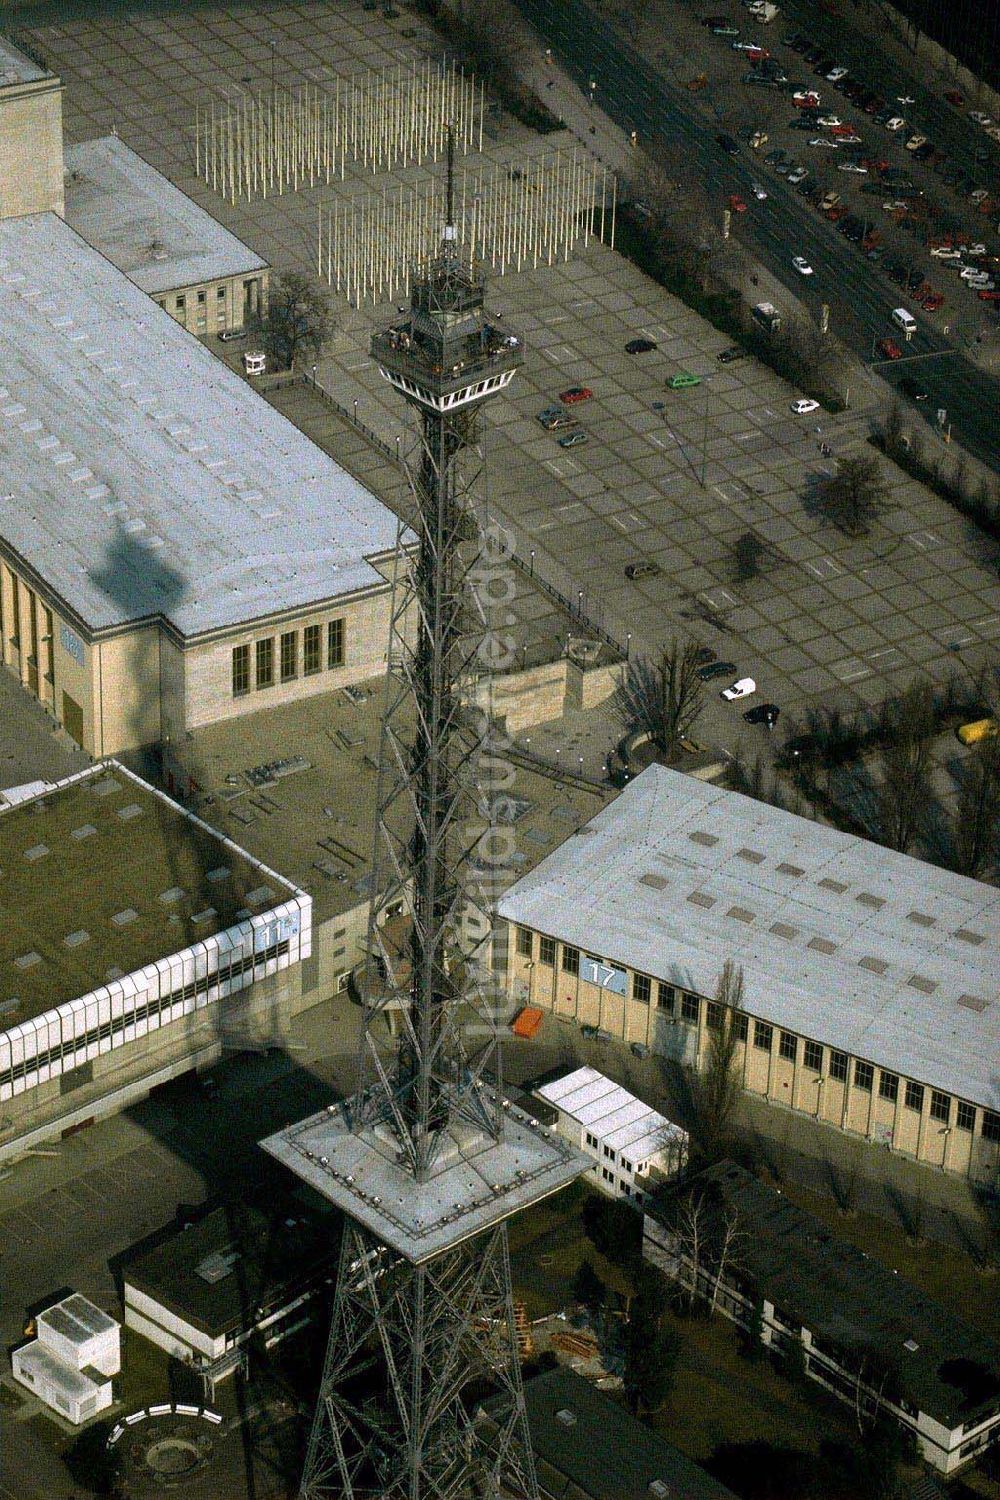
(763, 1039)
(313, 658)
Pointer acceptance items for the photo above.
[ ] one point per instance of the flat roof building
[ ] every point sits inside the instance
(633, 1146)
(588, 1447)
(163, 241)
(172, 550)
(123, 918)
(871, 978)
(866, 1333)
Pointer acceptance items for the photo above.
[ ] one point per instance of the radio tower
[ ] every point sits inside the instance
(426, 1160)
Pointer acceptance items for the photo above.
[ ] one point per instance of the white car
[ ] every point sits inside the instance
(758, 192)
(977, 249)
(744, 688)
(945, 252)
(972, 273)
(828, 121)
(981, 283)
(802, 265)
(978, 118)
(804, 405)
(830, 145)
(747, 47)
(916, 141)
(979, 195)
(853, 166)
(836, 74)
(806, 96)
(896, 123)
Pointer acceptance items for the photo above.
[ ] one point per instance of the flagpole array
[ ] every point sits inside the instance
(276, 141)
(514, 217)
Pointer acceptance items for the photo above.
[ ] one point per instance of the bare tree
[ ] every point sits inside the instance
(491, 37)
(855, 495)
(730, 1235)
(298, 319)
(976, 826)
(904, 755)
(665, 699)
(720, 1085)
(689, 1234)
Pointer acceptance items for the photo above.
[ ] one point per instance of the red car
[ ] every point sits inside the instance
(807, 100)
(889, 349)
(954, 97)
(989, 296)
(575, 393)
(932, 301)
(736, 204)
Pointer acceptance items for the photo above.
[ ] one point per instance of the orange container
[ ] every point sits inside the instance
(527, 1021)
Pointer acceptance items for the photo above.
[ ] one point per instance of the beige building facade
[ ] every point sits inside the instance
(31, 141)
(883, 1029)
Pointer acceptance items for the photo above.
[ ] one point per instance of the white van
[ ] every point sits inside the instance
(904, 320)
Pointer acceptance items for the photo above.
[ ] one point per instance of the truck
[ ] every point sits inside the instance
(767, 315)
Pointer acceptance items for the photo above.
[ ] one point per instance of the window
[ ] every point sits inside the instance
(665, 997)
(814, 1056)
(180, 304)
(762, 1035)
(312, 650)
(838, 1066)
(335, 643)
(642, 987)
(888, 1086)
(608, 1176)
(525, 947)
(570, 960)
(788, 1046)
(609, 1153)
(863, 1075)
(742, 1026)
(241, 671)
(940, 1106)
(713, 1015)
(965, 1116)
(201, 299)
(689, 1008)
(626, 1165)
(221, 294)
(289, 655)
(265, 663)
(914, 1096)
(591, 1140)
(547, 951)
(991, 1126)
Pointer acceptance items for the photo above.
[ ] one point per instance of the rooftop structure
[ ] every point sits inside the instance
(632, 1143)
(876, 953)
(942, 1377)
(17, 67)
(588, 1447)
(143, 224)
(144, 478)
(103, 876)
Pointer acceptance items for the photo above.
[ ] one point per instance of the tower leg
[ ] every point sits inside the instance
(410, 1346)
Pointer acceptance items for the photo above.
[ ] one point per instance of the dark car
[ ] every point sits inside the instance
(640, 346)
(912, 389)
(764, 713)
(800, 747)
(644, 569)
(922, 153)
(704, 654)
(733, 352)
(717, 669)
(729, 146)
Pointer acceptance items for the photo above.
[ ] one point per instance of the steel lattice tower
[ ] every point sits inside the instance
(426, 1159)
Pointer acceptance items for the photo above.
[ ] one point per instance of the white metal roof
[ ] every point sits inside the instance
(872, 952)
(141, 476)
(610, 1112)
(73, 1384)
(145, 226)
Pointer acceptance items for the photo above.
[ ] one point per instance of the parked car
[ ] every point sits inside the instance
(229, 334)
(889, 349)
(759, 192)
(553, 421)
(820, 141)
(804, 405)
(575, 393)
(836, 74)
(640, 346)
(797, 175)
(853, 166)
(682, 381)
(716, 669)
(802, 265)
(763, 713)
(915, 391)
(736, 204)
(828, 121)
(729, 146)
(734, 352)
(574, 440)
(645, 569)
(745, 687)
(915, 141)
(704, 654)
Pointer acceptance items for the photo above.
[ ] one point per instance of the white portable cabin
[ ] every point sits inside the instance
(632, 1144)
(75, 1395)
(80, 1335)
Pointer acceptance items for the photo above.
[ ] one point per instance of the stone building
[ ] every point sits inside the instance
(871, 978)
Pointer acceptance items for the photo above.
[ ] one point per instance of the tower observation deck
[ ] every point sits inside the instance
(426, 1158)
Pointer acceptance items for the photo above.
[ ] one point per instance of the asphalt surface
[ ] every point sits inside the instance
(635, 94)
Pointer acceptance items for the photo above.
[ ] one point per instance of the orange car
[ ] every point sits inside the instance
(736, 204)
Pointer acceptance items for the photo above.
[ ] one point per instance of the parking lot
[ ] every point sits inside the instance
(674, 476)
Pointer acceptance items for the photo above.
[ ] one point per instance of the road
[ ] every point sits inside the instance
(637, 96)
